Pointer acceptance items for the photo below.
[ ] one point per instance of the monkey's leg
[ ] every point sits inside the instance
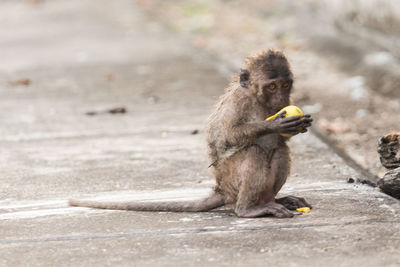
(271, 208)
(280, 167)
(215, 200)
(256, 196)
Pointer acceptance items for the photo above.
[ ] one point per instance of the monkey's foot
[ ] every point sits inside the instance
(292, 202)
(271, 208)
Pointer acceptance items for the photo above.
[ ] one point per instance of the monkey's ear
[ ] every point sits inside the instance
(244, 78)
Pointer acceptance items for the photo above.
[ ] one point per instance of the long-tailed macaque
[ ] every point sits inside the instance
(249, 158)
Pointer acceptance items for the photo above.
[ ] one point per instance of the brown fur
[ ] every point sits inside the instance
(249, 158)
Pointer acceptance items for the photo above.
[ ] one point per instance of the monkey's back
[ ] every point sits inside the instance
(218, 128)
(220, 122)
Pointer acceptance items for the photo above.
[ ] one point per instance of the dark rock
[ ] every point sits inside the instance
(91, 113)
(350, 180)
(389, 151)
(390, 183)
(117, 110)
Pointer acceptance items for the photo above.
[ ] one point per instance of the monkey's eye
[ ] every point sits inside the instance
(270, 87)
(286, 85)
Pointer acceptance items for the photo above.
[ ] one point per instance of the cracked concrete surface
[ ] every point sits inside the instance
(51, 151)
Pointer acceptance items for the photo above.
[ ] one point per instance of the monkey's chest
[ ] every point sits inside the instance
(268, 142)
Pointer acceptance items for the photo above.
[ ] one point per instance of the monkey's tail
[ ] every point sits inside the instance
(211, 202)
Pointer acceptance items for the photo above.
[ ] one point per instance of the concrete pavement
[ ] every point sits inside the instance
(85, 56)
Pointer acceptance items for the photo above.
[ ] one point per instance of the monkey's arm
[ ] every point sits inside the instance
(248, 132)
(237, 127)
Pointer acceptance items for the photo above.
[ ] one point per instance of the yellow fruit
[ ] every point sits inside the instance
(304, 210)
(290, 111)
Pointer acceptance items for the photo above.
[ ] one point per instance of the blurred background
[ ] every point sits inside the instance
(344, 55)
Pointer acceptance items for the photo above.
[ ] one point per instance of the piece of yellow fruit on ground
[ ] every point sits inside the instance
(304, 209)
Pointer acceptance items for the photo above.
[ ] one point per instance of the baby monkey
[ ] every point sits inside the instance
(249, 158)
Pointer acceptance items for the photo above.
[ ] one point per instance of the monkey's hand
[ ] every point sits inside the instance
(306, 121)
(291, 125)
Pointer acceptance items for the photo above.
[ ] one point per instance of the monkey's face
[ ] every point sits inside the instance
(275, 93)
(269, 77)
